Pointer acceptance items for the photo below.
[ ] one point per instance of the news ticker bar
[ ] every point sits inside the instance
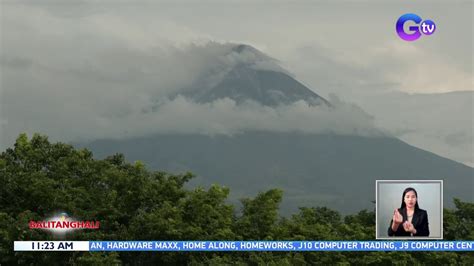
(181, 246)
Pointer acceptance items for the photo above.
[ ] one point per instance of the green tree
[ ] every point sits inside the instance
(259, 216)
(40, 178)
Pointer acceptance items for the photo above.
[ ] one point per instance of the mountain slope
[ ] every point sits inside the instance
(330, 170)
(268, 88)
(252, 76)
(439, 122)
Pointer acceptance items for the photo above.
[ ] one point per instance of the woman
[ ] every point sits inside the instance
(409, 220)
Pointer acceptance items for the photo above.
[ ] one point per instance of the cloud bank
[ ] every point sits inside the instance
(83, 79)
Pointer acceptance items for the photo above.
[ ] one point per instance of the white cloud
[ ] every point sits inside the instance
(78, 122)
(100, 76)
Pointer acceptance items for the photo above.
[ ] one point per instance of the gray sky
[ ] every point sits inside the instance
(86, 68)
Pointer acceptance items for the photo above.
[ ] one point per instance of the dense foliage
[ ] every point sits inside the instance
(38, 178)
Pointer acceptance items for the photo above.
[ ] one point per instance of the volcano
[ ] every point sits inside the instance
(338, 171)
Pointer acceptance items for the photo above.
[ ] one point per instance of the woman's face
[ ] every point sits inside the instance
(410, 199)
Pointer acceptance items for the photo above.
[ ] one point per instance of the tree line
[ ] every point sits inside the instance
(38, 177)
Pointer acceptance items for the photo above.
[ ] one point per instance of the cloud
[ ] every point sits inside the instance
(418, 71)
(224, 116)
(378, 68)
(441, 123)
(120, 93)
(98, 76)
(183, 116)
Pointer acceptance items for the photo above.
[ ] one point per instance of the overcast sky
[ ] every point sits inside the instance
(85, 68)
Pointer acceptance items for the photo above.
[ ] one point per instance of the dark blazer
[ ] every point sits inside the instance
(419, 221)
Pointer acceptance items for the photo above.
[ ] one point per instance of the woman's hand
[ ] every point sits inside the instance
(397, 220)
(397, 217)
(409, 227)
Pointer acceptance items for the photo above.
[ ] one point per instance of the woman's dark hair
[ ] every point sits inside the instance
(408, 189)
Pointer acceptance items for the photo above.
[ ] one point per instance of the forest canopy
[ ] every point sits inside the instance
(133, 203)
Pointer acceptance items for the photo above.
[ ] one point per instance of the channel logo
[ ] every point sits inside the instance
(62, 223)
(414, 32)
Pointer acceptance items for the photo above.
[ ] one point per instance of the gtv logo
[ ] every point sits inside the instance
(427, 27)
